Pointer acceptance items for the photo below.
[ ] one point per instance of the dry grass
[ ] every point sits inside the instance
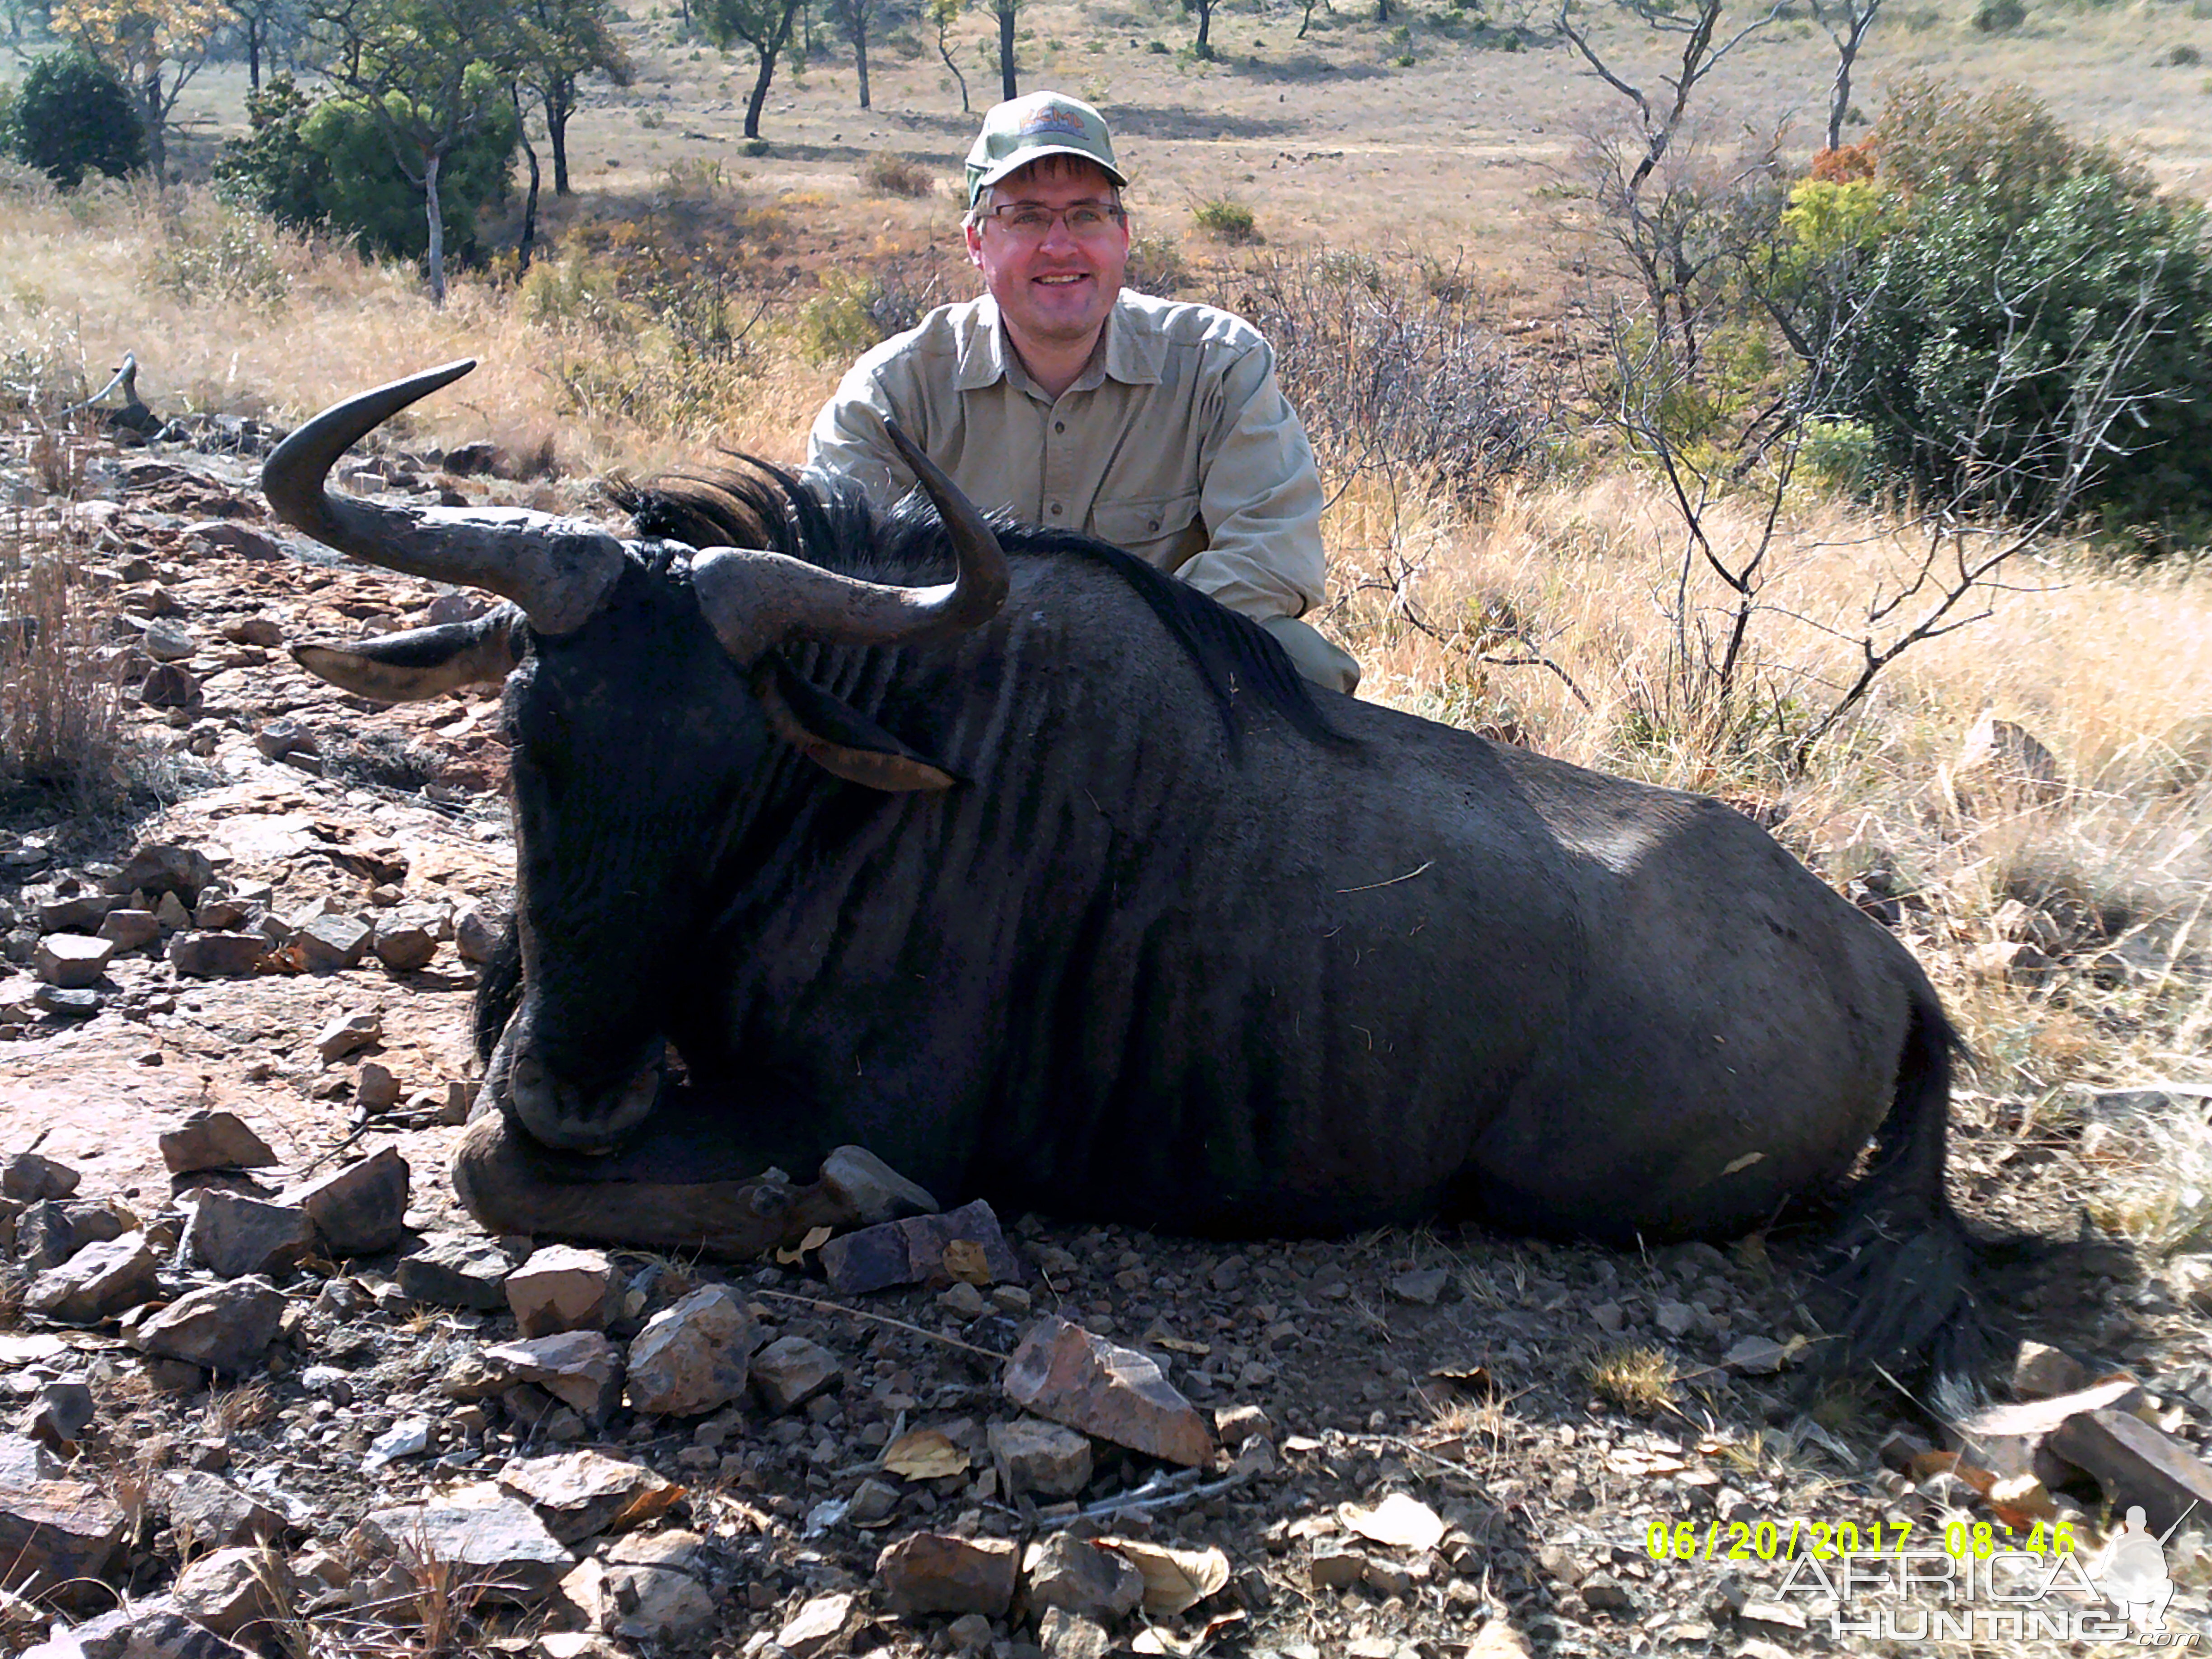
(1640, 1381)
(60, 710)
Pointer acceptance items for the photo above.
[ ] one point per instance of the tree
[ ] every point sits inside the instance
(944, 14)
(1698, 21)
(262, 28)
(72, 117)
(154, 47)
(1203, 45)
(857, 21)
(432, 74)
(562, 41)
(1847, 22)
(763, 25)
(1005, 11)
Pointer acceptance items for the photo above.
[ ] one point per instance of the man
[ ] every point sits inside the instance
(1156, 426)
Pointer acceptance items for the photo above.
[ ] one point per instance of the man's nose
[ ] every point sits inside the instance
(1057, 234)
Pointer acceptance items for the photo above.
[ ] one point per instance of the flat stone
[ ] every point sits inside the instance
(361, 1209)
(456, 1270)
(103, 1279)
(68, 1004)
(792, 1369)
(488, 1536)
(72, 962)
(231, 1235)
(149, 1627)
(130, 930)
(227, 1590)
(693, 1356)
(933, 1572)
(2039, 1371)
(1066, 1373)
(640, 1603)
(216, 955)
(404, 946)
(1035, 1457)
(376, 1088)
(1424, 1286)
(869, 1189)
(60, 1412)
(817, 1628)
(264, 631)
(560, 1288)
(162, 866)
(224, 1327)
(581, 1369)
(329, 944)
(239, 541)
(1076, 1575)
(476, 934)
(170, 685)
(211, 1512)
(2135, 1464)
(54, 1531)
(1335, 1566)
(168, 640)
(1757, 1356)
(282, 739)
(1065, 1635)
(29, 1177)
(914, 1252)
(348, 1034)
(580, 1494)
(214, 1141)
(77, 914)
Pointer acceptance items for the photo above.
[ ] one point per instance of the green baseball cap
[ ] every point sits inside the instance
(1025, 130)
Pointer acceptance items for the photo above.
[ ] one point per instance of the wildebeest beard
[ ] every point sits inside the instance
(1043, 877)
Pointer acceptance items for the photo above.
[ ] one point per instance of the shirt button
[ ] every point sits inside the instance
(1055, 509)
(1060, 426)
(1156, 523)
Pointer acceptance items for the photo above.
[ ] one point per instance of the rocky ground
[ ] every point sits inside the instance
(271, 1389)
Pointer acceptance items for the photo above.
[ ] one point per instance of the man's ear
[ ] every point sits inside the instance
(839, 738)
(972, 233)
(422, 662)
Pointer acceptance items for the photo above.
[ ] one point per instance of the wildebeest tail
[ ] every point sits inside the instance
(1902, 1262)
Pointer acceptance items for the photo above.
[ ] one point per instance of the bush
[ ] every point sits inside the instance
(1999, 16)
(851, 313)
(1972, 293)
(2184, 57)
(1230, 220)
(1157, 266)
(223, 254)
(305, 164)
(886, 173)
(71, 117)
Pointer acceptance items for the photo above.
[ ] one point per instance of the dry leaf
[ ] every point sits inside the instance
(964, 1260)
(1175, 1580)
(1475, 1379)
(1743, 1163)
(1402, 1522)
(1153, 1640)
(815, 1239)
(647, 1505)
(925, 1455)
(1301, 1444)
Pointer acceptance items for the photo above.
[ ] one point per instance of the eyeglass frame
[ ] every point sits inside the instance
(1115, 215)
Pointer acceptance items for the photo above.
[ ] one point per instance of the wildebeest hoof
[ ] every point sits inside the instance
(510, 1184)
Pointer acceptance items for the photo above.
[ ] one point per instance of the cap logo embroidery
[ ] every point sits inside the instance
(1052, 120)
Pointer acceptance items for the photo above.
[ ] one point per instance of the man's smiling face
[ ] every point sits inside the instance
(1055, 292)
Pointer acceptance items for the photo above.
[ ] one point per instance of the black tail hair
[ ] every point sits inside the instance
(830, 523)
(1903, 1261)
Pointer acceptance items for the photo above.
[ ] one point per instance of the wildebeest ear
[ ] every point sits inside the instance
(839, 738)
(422, 662)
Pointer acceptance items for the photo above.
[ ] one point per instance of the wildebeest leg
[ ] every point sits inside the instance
(684, 1183)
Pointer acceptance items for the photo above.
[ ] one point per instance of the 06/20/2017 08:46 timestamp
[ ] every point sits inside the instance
(1775, 1541)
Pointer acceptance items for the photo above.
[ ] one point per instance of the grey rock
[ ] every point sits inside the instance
(1061, 1372)
(581, 1369)
(216, 955)
(1424, 1286)
(1076, 1575)
(69, 1004)
(168, 640)
(231, 1235)
(913, 1251)
(640, 1603)
(818, 1630)
(560, 1288)
(77, 913)
(54, 1533)
(329, 944)
(214, 1141)
(693, 1356)
(348, 1034)
(1335, 1566)
(170, 685)
(2135, 1464)
(239, 541)
(72, 962)
(404, 946)
(282, 739)
(224, 1327)
(210, 1511)
(229, 1588)
(375, 1088)
(1034, 1456)
(486, 1536)
(103, 1279)
(792, 1369)
(870, 1190)
(361, 1209)
(130, 930)
(149, 1628)
(161, 867)
(1064, 1635)
(456, 1270)
(579, 1494)
(28, 1178)
(476, 934)
(941, 1572)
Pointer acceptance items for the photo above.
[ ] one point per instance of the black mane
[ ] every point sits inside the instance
(832, 524)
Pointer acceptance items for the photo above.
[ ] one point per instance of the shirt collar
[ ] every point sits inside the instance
(1135, 354)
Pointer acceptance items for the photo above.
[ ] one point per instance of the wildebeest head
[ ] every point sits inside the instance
(645, 696)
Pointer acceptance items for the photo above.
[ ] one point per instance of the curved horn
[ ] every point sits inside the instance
(754, 599)
(557, 570)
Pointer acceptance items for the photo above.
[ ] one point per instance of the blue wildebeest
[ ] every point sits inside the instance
(1043, 877)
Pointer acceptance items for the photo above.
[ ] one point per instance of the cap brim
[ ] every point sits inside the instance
(1021, 158)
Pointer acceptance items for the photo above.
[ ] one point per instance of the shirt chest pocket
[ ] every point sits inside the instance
(1163, 530)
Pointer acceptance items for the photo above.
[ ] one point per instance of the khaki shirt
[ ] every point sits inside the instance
(1175, 443)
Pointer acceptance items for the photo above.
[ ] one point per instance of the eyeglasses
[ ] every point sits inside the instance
(1031, 222)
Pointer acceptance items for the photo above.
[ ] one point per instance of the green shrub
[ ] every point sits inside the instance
(221, 255)
(2184, 57)
(1999, 16)
(71, 117)
(1230, 220)
(1973, 293)
(887, 172)
(305, 164)
(1157, 266)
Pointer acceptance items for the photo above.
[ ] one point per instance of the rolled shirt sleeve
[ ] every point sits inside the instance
(1260, 499)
